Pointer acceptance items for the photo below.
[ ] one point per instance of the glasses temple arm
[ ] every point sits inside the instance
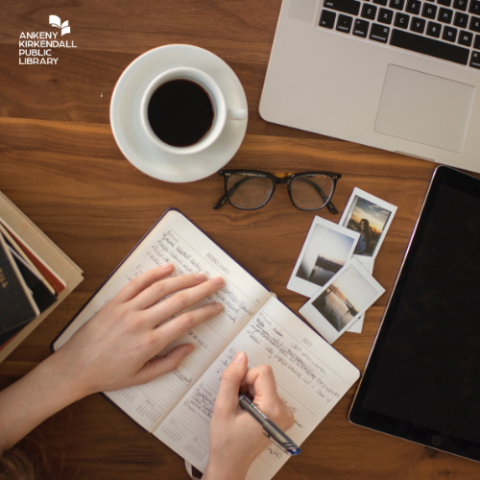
(222, 200)
(220, 203)
(331, 208)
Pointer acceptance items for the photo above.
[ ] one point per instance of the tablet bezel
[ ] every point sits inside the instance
(359, 415)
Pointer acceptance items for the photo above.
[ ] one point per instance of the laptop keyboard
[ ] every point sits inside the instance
(446, 29)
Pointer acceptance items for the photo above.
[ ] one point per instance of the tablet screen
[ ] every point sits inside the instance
(422, 382)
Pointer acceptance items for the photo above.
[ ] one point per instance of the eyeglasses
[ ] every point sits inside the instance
(251, 189)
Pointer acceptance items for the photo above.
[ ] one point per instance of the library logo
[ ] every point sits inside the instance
(56, 22)
(37, 48)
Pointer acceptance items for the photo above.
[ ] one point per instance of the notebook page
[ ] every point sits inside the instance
(311, 378)
(175, 239)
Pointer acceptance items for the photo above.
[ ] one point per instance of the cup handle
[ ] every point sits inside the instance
(237, 114)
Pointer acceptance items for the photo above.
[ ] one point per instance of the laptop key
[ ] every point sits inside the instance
(327, 19)
(401, 20)
(460, 5)
(381, 2)
(447, 3)
(429, 46)
(449, 34)
(417, 25)
(465, 38)
(460, 20)
(429, 11)
(385, 16)
(344, 23)
(474, 7)
(369, 11)
(475, 60)
(345, 6)
(434, 29)
(413, 6)
(397, 4)
(477, 42)
(360, 28)
(445, 15)
(379, 33)
(475, 24)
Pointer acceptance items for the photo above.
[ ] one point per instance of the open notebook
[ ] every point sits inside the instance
(311, 375)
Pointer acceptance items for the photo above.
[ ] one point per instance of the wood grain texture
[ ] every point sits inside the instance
(59, 163)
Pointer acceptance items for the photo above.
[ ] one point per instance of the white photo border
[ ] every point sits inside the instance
(347, 213)
(305, 287)
(357, 326)
(320, 323)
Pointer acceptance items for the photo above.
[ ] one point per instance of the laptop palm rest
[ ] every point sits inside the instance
(424, 108)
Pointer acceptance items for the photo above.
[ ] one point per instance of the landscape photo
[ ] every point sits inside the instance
(348, 295)
(326, 253)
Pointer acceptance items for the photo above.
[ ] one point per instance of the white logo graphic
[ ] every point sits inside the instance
(39, 48)
(57, 23)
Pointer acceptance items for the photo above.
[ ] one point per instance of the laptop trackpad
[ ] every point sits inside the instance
(425, 109)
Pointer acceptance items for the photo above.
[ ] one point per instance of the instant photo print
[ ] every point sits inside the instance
(357, 326)
(371, 217)
(326, 250)
(342, 300)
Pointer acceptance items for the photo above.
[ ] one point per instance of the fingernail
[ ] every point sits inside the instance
(200, 276)
(167, 266)
(217, 281)
(239, 357)
(218, 306)
(189, 349)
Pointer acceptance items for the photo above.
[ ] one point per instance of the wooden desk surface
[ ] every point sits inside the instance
(59, 163)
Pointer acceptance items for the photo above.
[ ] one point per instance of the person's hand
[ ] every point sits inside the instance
(236, 439)
(117, 347)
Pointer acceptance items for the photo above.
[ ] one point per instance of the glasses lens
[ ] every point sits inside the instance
(311, 192)
(245, 191)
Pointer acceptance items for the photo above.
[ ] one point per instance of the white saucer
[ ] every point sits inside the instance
(134, 142)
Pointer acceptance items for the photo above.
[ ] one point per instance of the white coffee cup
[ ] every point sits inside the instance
(221, 113)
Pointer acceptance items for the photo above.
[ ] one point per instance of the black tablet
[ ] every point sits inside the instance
(422, 380)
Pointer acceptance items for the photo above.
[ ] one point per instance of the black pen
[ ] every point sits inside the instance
(274, 433)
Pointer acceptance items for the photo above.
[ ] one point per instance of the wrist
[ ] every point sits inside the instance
(41, 393)
(224, 471)
(59, 376)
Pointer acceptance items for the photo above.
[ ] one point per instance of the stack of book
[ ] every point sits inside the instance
(35, 276)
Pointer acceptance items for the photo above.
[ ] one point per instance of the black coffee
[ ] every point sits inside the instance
(180, 113)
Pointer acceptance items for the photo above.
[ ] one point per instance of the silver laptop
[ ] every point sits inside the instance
(401, 75)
